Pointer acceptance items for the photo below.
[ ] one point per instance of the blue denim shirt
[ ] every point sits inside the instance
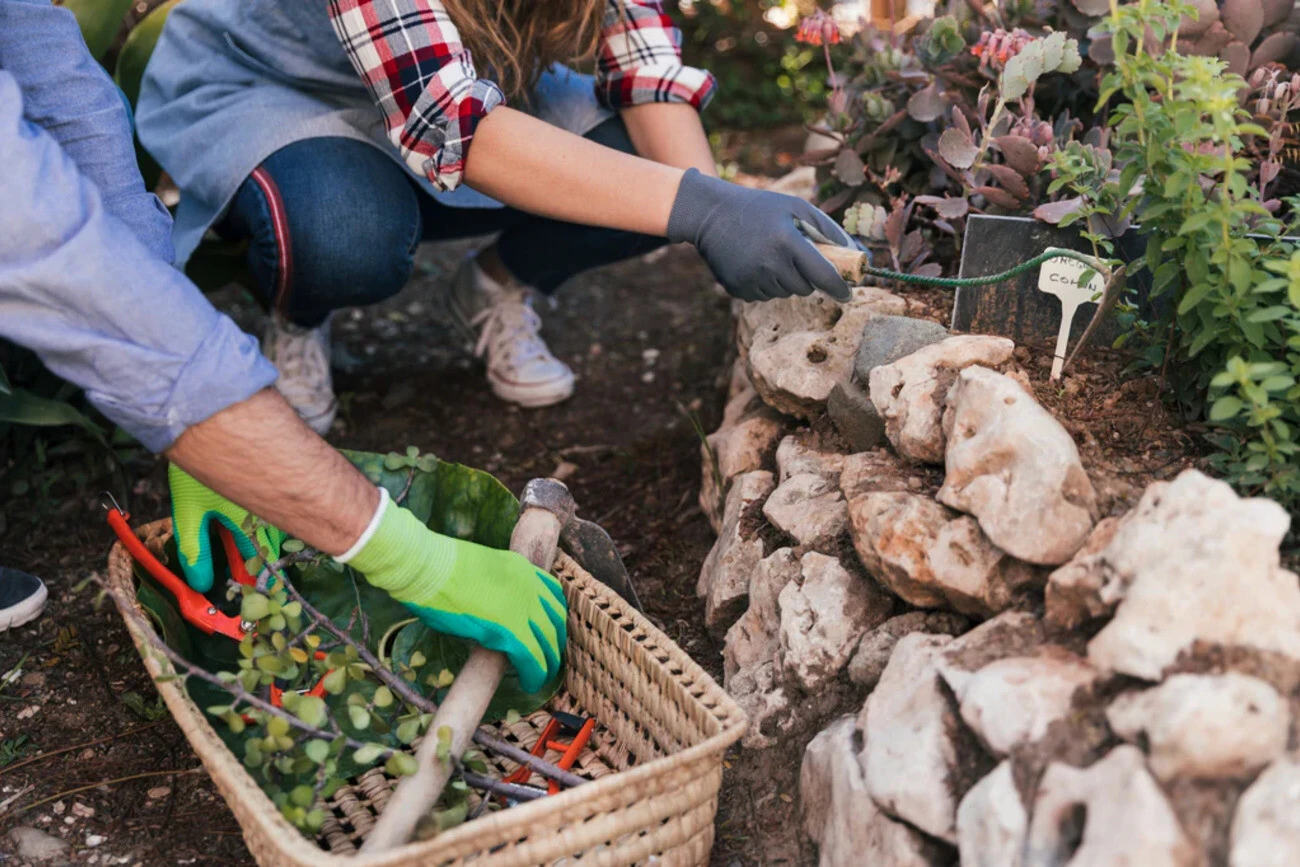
(85, 251)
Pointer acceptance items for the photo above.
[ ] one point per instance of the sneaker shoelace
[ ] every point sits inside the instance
(510, 332)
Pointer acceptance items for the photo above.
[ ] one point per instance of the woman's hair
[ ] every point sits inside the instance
(515, 41)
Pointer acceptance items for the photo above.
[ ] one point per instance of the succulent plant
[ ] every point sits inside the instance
(1244, 34)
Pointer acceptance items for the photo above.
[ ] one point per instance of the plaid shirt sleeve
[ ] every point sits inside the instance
(421, 76)
(640, 59)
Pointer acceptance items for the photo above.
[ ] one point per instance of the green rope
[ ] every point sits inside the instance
(959, 282)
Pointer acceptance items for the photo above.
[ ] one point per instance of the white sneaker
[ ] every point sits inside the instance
(302, 356)
(506, 330)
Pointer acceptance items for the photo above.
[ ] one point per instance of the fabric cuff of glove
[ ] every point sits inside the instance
(399, 554)
(695, 201)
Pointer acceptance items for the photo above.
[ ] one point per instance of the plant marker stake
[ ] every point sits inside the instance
(1060, 277)
(545, 508)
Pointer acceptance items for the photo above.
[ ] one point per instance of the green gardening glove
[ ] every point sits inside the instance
(493, 597)
(194, 508)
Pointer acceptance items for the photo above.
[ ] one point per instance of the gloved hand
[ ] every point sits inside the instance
(494, 597)
(756, 241)
(194, 508)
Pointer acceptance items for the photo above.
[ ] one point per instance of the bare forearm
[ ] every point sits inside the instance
(670, 133)
(544, 170)
(259, 454)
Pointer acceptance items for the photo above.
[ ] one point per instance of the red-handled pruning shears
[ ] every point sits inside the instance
(194, 606)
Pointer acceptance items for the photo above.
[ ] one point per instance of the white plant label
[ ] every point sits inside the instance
(1060, 277)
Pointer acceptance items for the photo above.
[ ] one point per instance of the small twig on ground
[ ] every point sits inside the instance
(43, 756)
(178, 773)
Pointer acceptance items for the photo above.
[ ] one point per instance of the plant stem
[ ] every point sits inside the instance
(43, 756)
(506, 790)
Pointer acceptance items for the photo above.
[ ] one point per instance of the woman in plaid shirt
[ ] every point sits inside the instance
(264, 113)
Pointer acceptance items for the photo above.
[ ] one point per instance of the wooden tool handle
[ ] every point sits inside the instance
(849, 262)
(535, 536)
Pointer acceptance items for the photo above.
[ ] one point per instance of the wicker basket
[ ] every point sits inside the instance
(655, 762)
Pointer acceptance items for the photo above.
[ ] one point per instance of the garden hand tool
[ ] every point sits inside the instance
(757, 242)
(592, 548)
(545, 508)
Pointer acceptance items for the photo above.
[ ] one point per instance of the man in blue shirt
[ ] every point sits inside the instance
(86, 282)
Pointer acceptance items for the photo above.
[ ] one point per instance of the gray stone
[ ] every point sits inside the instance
(1012, 466)
(1126, 819)
(885, 339)
(839, 815)
(37, 846)
(724, 579)
(873, 652)
(745, 441)
(1205, 726)
(803, 454)
(855, 416)
(992, 822)
(824, 614)
(1266, 826)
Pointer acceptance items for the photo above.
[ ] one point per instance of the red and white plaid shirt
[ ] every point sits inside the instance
(422, 77)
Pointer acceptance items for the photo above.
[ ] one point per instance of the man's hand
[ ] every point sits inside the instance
(756, 241)
(493, 597)
(194, 508)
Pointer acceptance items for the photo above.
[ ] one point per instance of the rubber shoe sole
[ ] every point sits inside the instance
(532, 395)
(25, 610)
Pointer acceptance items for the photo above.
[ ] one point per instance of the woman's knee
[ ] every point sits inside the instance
(333, 223)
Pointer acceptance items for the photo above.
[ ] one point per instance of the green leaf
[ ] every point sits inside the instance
(254, 607)
(401, 765)
(99, 21)
(408, 731)
(366, 755)
(1226, 407)
(312, 711)
(359, 716)
(317, 750)
(22, 407)
(336, 681)
(383, 697)
(292, 546)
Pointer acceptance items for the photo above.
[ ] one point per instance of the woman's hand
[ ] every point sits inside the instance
(757, 242)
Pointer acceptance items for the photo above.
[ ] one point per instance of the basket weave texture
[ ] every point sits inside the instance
(655, 762)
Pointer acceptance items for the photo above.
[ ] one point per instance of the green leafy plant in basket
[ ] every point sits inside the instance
(336, 678)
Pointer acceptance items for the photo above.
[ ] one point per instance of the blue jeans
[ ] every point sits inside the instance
(333, 223)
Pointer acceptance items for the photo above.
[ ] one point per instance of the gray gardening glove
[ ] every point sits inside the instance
(757, 242)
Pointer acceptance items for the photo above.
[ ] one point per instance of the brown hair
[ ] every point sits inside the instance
(514, 41)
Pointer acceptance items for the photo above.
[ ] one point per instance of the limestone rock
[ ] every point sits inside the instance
(803, 454)
(824, 614)
(839, 815)
(745, 441)
(1204, 726)
(992, 822)
(893, 534)
(1193, 562)
(1011, 633)
(794, 366)
(932, 557)
(878, 470)
(802, 182)
(1266, 826)
(910, 393)
(1012, 702)
(1126, 819)
(1078, 591)
(809, 508)
(761, 324)
(724, 579)
(910, 728)
(1012, 466)
(753, 638)
(873, 652)
(36, 846)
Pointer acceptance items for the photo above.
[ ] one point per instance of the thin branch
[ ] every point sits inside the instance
(177, 773)
(506, 790)
(410, 479)
(43, 756)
